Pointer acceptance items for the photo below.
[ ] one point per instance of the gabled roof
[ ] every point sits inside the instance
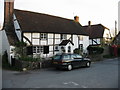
(65, 42)
(44, 23)
(95, 31)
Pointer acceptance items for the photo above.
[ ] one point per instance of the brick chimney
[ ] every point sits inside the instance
(76, 18)
(9, 22)
(8, 13)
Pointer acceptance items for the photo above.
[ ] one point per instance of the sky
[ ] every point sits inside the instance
(96, 11)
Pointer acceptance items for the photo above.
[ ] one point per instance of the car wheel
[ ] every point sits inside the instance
(69, 67)
(88, 64)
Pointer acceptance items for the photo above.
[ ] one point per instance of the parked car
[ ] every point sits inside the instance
(69, 61)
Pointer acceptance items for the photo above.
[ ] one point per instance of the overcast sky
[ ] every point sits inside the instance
(96, 11)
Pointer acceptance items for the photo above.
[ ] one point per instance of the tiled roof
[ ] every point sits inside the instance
(65, 42)
(95, 31)
(44, 23)
(11, 35)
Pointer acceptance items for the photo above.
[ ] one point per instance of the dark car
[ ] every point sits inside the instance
(70, 61)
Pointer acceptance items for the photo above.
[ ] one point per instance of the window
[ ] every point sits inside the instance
(37, 49)
(81, 47)
(34, 49)
(56, 48)
(63, 36)
(41, 48)
(63, 49)
(94, 41)
(98, 41)
(69, 49)
(43, 35)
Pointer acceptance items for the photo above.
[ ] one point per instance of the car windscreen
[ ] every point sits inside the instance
(57, 57)
(76, 56)
(66, 57)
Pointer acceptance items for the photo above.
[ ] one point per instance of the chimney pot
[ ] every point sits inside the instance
(76, 18)
(89, 23)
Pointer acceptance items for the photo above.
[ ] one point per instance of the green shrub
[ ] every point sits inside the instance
(95, 50)
(77, 51)
(20, 49)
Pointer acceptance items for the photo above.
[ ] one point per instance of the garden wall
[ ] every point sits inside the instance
(20, 65)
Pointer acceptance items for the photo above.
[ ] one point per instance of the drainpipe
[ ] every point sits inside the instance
(53, 43)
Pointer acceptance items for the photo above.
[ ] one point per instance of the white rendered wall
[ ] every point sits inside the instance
(17, 28)
(119, 16)
(0, 45)
(85, 42)
(5, 46)
(75, 41)
(0, 59)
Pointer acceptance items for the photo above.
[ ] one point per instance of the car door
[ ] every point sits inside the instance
(75, 60)
(80, 60)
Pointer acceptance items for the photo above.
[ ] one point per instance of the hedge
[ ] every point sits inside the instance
(95, 50)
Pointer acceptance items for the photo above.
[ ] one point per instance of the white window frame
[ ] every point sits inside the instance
(37, 49)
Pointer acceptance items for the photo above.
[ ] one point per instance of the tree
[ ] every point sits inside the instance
(20, 49)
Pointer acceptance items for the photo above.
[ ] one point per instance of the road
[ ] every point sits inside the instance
(102, 74)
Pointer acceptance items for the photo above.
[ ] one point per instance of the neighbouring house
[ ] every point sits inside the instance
(44, 34)
(49, 34)
(0, 44)
(98, 34)
(4, 45)
(116, 40)
(7, 31)
(115, 47)
(8, 35)
(119, 16)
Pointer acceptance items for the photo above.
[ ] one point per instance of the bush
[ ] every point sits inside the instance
(20, 49)
(95, 50)
(77, 51)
